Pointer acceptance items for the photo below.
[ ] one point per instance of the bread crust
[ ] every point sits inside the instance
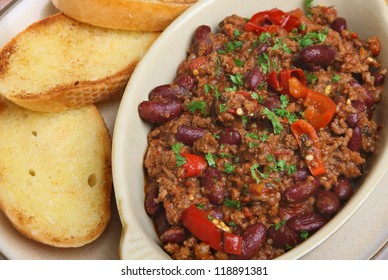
(55, 174)
(125, 14)
(82, 72)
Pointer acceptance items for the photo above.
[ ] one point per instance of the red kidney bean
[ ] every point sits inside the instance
(369, 101)
(300, 191)
(253, 238)
(213, 191)
(306, 222)
(352, 119)
(327, 202)
(173, 235)
(151, 206)
(230, 136)
(201, 41)
(160, 111)
(161, 222)
(359, 105)
(355, 141)
(379, 78)
(272, 102)
(283, 236)
(261, 48)
(189, 134)
(168, 91)
(320, 55)
(343, 189)
(339, 24)
(254, 78)
(301, 174)
(286, 211)
(185, 80)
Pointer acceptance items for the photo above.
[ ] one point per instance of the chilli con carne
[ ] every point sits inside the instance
(259, 140)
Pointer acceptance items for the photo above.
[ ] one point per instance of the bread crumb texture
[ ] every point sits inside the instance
(55, 174)
(59, 63)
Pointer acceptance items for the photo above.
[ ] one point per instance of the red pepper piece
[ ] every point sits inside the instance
(320, 109)
(280, 82)
(296, 88)
(232, 243)
(194, 165)
(303, 132)
(197, 222)
(271, 20)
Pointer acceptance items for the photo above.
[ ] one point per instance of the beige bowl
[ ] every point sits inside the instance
(139, 240)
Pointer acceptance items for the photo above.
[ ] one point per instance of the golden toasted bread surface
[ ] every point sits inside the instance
(145, 15)
(55, 174)
(59, 63)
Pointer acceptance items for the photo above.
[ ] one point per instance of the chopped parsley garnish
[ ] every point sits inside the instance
(236, 79)
(232, 45)
(197, 105)
(236, 33)
(264, 37)
(263, 137)
(279, 225)
(264, 63)
(200, 206)
(312, 38)
(208, 88)
(280, 165)
(280, 44)
(210, 159)
(282, 112)
(223, 108)
(238, 62)
(304, 234)
(179, 159)
(311, 78)
(232, 203)
(277, 127)
(336, 78)
(229, 168)
(308, 4)
(255, 171)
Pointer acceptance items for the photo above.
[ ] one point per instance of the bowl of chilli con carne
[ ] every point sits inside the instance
(252, 131)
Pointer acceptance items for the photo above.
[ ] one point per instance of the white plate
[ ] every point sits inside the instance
(12, 244)
(159, 67)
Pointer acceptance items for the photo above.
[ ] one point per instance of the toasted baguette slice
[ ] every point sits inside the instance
(59, 63)
(55, 174)
(146, 15)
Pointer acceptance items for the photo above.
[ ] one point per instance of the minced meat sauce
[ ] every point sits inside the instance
(259, 140)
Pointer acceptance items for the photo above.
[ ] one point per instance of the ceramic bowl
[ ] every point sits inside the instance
(139, 240)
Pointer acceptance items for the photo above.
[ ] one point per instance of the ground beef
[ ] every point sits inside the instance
(240, 160)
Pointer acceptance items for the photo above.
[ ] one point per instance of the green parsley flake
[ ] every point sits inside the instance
(264, 63)
(197, 105)
(232, 203)
(277, 127)
(229, 168)
(238, 62)
(179, 159)
(236, 79)
(210, 159)
(336, 78)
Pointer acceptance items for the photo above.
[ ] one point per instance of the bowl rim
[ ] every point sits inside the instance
(372, 180)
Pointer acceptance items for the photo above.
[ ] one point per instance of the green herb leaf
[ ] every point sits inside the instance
(210, 159)
(238, 62)
(236, 79)
(179, 159)
(277, 127)
(336, 78)
(232, 203)
(280, 224)
(197, 105)
(229, 168)
(264, 63)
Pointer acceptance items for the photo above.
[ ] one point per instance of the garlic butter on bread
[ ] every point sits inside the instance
(55, 173)
(59, 63)
(146, 15)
